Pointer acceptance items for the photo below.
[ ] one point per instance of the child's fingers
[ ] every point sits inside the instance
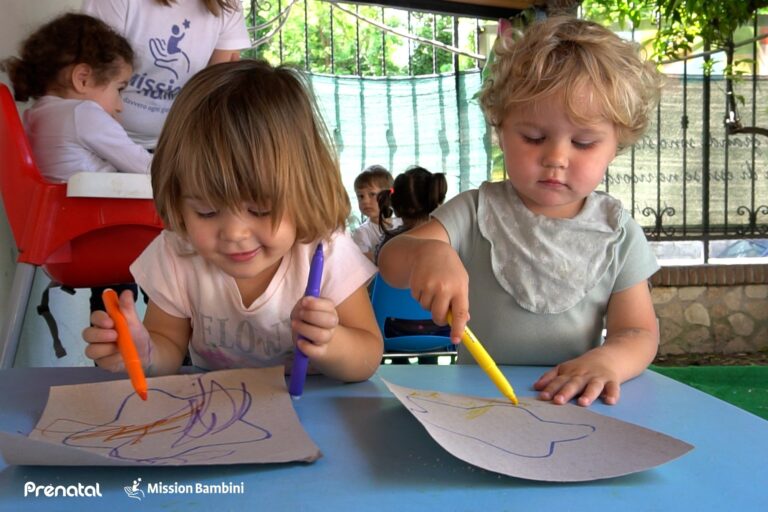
(592, 390)
(102, 335)
(545, 379)
(611, 393)
(97, 350)
(104, 353)
(460, 316)
(317, 311)
(316, 326)
(559, 388)
(112, 363)
(429, 301)
(597, 387)
(128, 309)
(136, 329)
(311, 348)
(312, 340)
(317, 334)
(314, 318)
(101, 338)
(439, 309)
(101, 319)
(95, 334)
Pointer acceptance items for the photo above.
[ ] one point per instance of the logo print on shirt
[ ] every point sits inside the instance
(168, 54)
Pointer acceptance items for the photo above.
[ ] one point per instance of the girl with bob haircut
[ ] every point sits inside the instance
(247, 184)
(544, 261)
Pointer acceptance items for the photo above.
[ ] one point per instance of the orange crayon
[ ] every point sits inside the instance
(125, 343)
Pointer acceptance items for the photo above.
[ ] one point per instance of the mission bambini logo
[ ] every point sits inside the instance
(138, 491)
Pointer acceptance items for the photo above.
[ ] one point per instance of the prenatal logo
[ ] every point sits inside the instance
(69, 491)
(134, 491)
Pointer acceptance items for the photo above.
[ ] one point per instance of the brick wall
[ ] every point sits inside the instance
(712, 308)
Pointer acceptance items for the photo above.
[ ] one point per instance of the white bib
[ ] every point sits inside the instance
(548, 265)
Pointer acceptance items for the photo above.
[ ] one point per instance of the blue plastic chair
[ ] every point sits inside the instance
(389, 302)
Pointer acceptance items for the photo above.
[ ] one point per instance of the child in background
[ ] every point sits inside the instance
(247, 185)
(368, 184)
(75, 67)
(544, 261)
(414, 195)
(173, 40)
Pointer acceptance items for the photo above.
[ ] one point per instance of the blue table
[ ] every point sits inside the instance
(376, 456)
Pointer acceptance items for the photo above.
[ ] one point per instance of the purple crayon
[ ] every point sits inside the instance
(300, 361)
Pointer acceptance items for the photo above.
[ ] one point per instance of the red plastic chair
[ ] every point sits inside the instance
(80, 242)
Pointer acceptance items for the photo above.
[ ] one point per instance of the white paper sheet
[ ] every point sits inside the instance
(537, 440)
(222, 417)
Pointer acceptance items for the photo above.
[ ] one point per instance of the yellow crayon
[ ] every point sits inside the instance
(485, 362)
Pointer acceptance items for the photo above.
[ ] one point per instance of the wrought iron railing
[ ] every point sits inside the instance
(699, 174)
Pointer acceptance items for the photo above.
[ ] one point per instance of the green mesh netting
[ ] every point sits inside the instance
(435, 122)
(398, 122)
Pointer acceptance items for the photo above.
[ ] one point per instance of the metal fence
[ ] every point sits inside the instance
(701, 171)
(699, 174)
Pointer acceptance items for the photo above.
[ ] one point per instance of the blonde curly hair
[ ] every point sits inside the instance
(566, 57)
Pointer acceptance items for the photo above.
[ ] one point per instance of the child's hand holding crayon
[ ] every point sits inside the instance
(439, 281)
(313, 322)
(102, 336)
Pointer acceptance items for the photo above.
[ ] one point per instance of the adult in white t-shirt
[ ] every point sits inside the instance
(172, 43)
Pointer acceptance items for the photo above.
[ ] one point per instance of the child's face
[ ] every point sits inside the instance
(552, 162)
(108, 95)
(367, 202)
(241, 243)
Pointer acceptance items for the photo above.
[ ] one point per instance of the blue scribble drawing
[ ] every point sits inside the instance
(208, 423)
(167, 53)
(534, 437)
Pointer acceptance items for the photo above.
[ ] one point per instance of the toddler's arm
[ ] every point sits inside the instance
(346, 342)
(161, 340)
(630, 345)
(423, 260)
(107, 139)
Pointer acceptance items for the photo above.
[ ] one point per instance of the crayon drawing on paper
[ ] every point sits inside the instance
(537, 440)
(222, 417)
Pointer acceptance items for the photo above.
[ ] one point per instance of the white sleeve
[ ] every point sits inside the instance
(107, 139)
(234, 33)
(358, 236)
(113, 12)
(367, 236)
(346, 269)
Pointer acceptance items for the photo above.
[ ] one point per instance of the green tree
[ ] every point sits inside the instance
(332, 41)
(684, 26)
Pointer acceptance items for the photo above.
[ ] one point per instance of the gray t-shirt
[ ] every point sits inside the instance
(513, 334)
